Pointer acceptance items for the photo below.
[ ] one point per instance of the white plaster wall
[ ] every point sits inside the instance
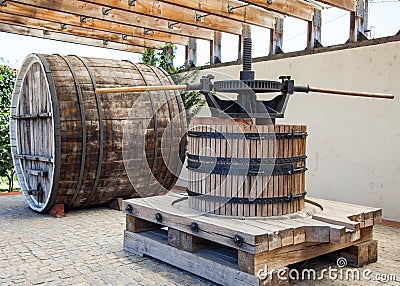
(354, 143)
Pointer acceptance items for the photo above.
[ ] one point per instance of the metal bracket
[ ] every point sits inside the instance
(270, 2)
(105, 42)
(317, 18)
(171, 24)
(124, 37)
(279, 25)
(82, 19)
(3, 3)
(63, 26)
(146, 31)
(132, 2)
(360, 9)
(46, 33)
(248, 201)
(232, 8)
(105, 10)
(198, 17)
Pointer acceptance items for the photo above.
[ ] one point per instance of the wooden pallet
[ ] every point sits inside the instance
(232, 251)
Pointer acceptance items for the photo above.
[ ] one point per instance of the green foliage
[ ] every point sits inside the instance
(192, 100)
(7, 81)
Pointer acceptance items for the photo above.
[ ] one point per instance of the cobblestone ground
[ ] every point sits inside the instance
(85, 248)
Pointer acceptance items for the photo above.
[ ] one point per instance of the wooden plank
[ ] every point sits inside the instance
(349, 5)
(293, 8)
(62, 17)
(284, 256)
(93, 11)
(77, 31)
(259, 234)
(223, 21)
(20, 30)
(246, 14)
(201, 263)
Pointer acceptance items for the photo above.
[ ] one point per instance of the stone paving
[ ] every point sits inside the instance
(85, 248)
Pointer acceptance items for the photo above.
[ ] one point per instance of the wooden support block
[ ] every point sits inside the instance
(360, 254)
(247, 263)
(187, 241)
(57, 211)
(116, 204)
(373, 251)
(134, 224)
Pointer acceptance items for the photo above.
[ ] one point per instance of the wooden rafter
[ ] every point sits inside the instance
(164, 11)
(349, 5)
(293, 8)
(231, 10)
(48, 26)
(38, 33)
(101, 25)
(94, 11)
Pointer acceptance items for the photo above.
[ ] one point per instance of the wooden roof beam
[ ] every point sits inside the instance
(167, 9)
(293, 8)
(102, 25)
(94, 11)
(48, 26)
(349, 5)
(38, 33)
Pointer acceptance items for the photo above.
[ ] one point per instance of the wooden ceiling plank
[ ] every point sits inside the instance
(77, 31)
(293, 8)
(349, 5)
(66, 18)
(38, 33)
(93, 11)
(187, 9)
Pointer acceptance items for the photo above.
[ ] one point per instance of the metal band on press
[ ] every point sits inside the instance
(248, 201)
(250, 136)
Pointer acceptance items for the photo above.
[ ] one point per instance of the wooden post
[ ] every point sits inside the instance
(246, 33)
(215, 48)
(134, 224)
(276, 38)
(314, 31)
(170, 60)
(359, 21)
(191, 52)
(188, 242)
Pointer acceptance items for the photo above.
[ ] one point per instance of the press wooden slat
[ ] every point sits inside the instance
(234, 185)
(248, 186)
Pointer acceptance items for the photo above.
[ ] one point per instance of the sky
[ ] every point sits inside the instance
(384, 20)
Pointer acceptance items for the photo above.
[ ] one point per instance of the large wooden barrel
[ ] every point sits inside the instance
(68, 142)
(238, 168)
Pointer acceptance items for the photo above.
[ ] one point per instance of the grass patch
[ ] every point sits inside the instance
(4, 185)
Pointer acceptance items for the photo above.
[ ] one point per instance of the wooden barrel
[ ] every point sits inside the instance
(238, 168)
(67, 141)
